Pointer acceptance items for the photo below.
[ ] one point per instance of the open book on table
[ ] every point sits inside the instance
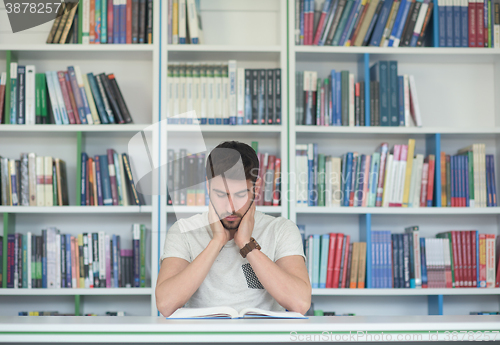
(231, 313)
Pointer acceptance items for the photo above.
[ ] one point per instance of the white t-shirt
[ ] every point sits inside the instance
(231, 280)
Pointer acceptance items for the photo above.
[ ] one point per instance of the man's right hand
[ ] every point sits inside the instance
(220, 234)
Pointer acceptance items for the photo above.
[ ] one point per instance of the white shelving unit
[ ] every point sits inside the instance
(458, 93)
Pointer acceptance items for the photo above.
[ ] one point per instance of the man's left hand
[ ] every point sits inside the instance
(242, 236)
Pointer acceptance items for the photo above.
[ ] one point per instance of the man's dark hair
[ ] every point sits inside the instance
(226, 155)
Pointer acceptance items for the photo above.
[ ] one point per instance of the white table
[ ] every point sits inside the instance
(348, 329)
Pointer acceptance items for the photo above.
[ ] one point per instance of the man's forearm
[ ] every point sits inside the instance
(177, 290)
(288, 290)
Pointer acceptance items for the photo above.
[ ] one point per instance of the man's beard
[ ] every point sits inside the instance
(233, 225)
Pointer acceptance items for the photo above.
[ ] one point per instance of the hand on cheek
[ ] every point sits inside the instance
(242, 236)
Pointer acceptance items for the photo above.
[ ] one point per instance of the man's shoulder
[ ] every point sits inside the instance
(194, 222)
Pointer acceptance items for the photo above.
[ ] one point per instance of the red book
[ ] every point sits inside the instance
(306, 24)
(129, 22)
(459, 257)
(2, 98)
(338, 258)
(346, 257)
(92, 22)
(472, 25)
(468, 251)
(91, 182)
(430, 186)
(473, 255)
(67, 102)
(112, 176)
(480, 23)
(269, 202)
(331, 259)
(482, 260)
(110, 36)
(321, 22)
(72, 98)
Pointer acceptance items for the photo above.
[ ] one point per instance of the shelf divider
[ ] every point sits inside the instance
(435, 304)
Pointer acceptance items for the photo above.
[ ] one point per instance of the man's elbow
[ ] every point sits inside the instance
(164, 306)
(302, 305)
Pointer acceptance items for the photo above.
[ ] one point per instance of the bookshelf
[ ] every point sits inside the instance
(136, 69)
(458, 96)
(457, 90)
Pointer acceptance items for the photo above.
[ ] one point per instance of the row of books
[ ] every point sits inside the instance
(72, 98)
(187, 177)
(55, 313)
(103, 22)
(335, 262)
(184, 22)
(484, 313)
(384, 23)
(394, 178)
(454, 259)
(107, 180)
(33, 181)
(468, 179)
(340, 101)
(90, 260)
(223, 93)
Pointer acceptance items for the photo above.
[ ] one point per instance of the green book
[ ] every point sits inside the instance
(321, 179)
(38, 105)
(470, 161)
(43, 99)
(447, 234)
(342, 22)
(143, 256)
(318, 102)
(13, 95)
(104, 22)
(255, 146)
(318, 312)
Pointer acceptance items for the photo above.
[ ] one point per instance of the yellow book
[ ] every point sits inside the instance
(175, 22)
(362, 265)
(443, 179)
(80, 263)
(409, 164)
(353, 280)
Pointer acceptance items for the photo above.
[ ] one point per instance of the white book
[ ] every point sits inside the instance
(53, 98)
(40, 182)
(47, 168)
(182, 22)
(351, 99)
(189, 88)
(328, 181)
(240, 98)
(413, 183)
(81, 86)
(86, 21)
(59, 98)
(419, 162)
(218, 91)
(51, 258)
(414, 106)
(182, 91)
(225, 94)
(395, 181)
(210, 94)
(30, 95)
(388, 180)
(57, 246)
(203, 92)
(232, 75)
(176, 90)
(102, 256)
(229, 312)
(496, 31)
(29, 258)
(192, 17)
(90, 260)
(336, 181)
(421, 16)
(197, 93)
(310, 257)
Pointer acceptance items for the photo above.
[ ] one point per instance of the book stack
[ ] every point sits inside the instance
(184, 22)
(468, 179)
(454, 259)
(223, 94)
(384, 23)
(340, 101)
(33, 181)
(107, 180)
(90, 260)
(103, 22)
(63, 97)
(335, 262)
(186, 175)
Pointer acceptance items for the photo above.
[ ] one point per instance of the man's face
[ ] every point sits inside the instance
(231, 199)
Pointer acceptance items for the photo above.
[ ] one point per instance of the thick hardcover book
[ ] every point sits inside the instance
(119, 98)
(135, 197)
(96, 94)
(111, 98)
(106, 103)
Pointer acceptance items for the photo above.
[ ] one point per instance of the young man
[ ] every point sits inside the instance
(232, 254)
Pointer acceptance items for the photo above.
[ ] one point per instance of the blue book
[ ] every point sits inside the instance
(68, 261)
(381, 22)
(401, 260)
(316, 254)
(44, 259)
(83, 194)
(358, 193)
(389, 263)
(423, 263)
(449, 23)
(399, 22)
(493, 182)
(115, 262)
(310, 180)
(461, 178)
(115, 33)
(101, 110)
(488, 182)
(303, 8)
(457, 18)
(123, 23)
(63, 262)
(379, 72)
(95, 262)
(350, 22)
(375, 166)
(248, 97)
(401, 99)
(464, 24)
(325, 243)
(406, 253)
(442, 23)
(106, 184)
(347, 178)
(393, 96)
(466, 179)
